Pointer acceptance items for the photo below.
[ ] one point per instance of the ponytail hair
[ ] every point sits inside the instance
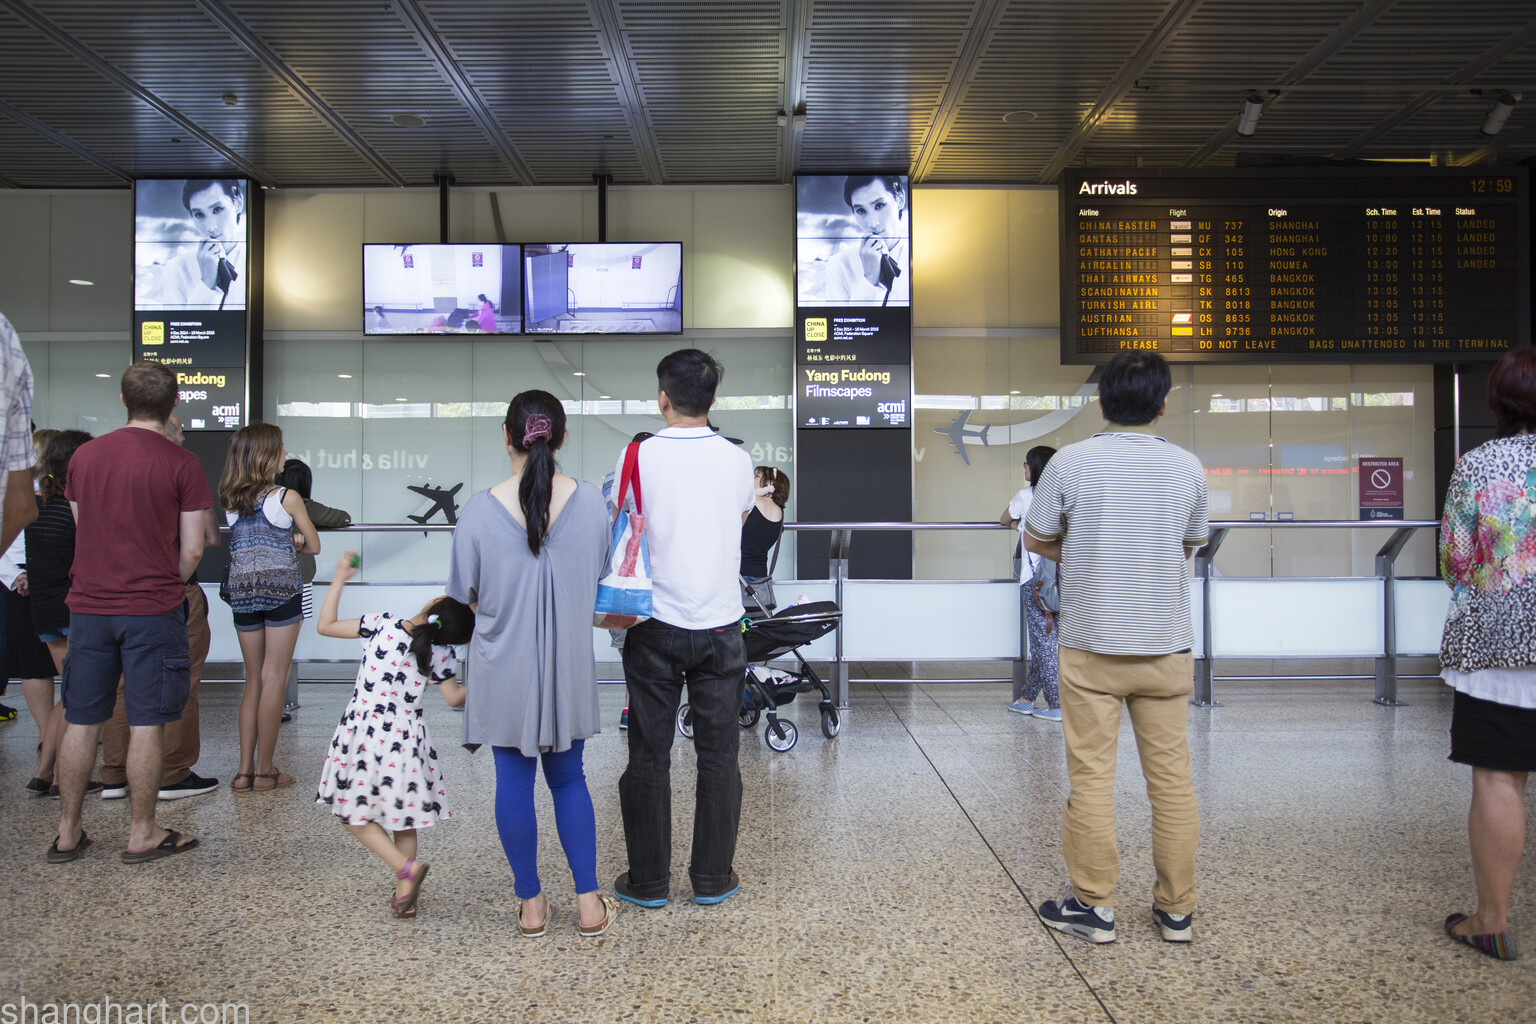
(535, 427)
(449, 623)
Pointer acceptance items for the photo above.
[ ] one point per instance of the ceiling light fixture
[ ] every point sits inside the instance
(1498, 112)
(81, 281)
(1253, 109)
(408, 120)
(344, 376)
(107, 375)
(402, 399)
(578, 373)
(230, 99)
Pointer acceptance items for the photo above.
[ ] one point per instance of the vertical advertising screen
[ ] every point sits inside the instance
(853, 300)
(190, 243)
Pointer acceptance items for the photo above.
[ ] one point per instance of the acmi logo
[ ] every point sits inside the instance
(1107, 188)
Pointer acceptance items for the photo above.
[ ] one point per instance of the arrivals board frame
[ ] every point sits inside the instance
(1327, 264)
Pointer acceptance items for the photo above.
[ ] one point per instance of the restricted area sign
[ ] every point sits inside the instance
(1381, 488)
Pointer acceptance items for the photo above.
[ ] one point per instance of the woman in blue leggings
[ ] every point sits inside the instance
(527, 555)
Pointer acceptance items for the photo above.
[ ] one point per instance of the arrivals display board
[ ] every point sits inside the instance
(1350, 265)
(191, 290)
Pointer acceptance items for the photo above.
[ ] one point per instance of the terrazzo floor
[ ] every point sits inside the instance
(887, 875)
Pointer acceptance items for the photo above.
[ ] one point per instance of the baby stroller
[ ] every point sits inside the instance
(765, 639)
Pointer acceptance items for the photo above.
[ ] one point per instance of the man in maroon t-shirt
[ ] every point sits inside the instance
(138, 501)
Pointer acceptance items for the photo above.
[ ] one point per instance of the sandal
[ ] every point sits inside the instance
(250, 776)
(524, 930)
(280, 779)
(611, 912)
(1499, 945)
(405, 906)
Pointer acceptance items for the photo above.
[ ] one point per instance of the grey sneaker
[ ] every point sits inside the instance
(1078, 919)
(1175, 927)
(1049, 714)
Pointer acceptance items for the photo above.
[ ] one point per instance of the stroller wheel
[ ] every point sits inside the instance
(749, 718)
(831, 725)
(784, 742)
(685, 720)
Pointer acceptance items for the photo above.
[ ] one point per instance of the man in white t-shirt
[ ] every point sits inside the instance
(695, 486)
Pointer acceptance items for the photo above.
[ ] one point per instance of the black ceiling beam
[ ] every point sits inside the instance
(605, 17)
(797, 43)
(1466, 73)
(241, 33)
(60, 139)
(109, 71)
(983, 24)
(431, 42)
(1314, 59)
(1168, 26)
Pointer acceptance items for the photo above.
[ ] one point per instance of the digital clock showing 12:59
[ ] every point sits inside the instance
(1491, 186)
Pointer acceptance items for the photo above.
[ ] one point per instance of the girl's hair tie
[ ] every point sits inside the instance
(434, 620)
(535, 427)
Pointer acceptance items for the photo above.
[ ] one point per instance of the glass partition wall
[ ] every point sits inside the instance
(1277, 442)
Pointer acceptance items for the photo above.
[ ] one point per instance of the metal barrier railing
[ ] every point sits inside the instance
(840, 552)
(1386, 572)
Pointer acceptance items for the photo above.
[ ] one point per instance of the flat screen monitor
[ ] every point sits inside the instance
(603, 288)
(441, 289)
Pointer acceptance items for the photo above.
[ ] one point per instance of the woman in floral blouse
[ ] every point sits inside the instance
(1488, 652)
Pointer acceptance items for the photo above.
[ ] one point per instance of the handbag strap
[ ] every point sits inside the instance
(776, 540)
(630, 475)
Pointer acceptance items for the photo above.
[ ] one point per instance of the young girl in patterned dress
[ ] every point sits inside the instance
(381, 770)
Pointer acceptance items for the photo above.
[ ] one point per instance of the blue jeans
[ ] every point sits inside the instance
(658, 659)
(574, 817)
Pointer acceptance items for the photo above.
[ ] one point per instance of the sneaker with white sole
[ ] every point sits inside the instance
(193, 785)
(1078, 919)
(1049, 714)
(116, 792)
(1022, 707)
(1175, 927)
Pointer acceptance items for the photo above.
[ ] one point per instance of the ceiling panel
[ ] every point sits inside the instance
(687, 91)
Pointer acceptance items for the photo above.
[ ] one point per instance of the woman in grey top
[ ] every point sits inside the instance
(527, 554)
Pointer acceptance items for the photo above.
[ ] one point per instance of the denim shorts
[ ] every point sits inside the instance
(285, 614)
(48, 638)
(149, 652)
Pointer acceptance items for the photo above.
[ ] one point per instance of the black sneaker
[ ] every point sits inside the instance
(731, 889)
(7, 713)
(622, 891)
(1078, 919)
(1175, 927)
(38, 787)
(193, 785)
(94, 786)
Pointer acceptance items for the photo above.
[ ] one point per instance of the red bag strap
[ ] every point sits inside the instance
(630, 475)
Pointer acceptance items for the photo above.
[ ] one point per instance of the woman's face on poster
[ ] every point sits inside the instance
(215, 213)
(877, 210)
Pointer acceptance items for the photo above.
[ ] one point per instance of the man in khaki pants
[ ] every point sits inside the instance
(1122, 512)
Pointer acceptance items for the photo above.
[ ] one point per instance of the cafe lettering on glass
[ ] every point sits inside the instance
(1301, 265)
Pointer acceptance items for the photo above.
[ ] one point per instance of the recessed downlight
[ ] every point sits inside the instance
(402, 399)
(408, 120)
(106, 375)
(1019, 117)
(344, 376)
(81, 281)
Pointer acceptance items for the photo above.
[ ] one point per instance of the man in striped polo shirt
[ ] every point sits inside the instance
(1122, 512)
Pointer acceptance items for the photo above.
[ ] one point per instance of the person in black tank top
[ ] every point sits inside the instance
(761, 527)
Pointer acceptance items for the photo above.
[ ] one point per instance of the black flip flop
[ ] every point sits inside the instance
(166, 848)
(58, 856)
